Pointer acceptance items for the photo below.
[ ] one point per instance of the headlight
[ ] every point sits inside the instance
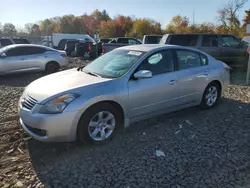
(57, 105)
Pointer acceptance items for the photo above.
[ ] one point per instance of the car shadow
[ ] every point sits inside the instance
(132, 144)
(19, 80)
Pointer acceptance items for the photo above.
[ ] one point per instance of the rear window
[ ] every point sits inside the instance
(153, 39)
(5, 42)
(72, 42)
(184, 40)
(21, 41)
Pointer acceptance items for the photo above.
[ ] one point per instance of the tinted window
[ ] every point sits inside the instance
(61, 44)
(153, 39)
(188, 59)
(184, 40)
(159, 63)
(18, 51)
(209, 41)
(132, 41)
(229, 41)
(123, 41)
(21, 41)
(5, 42)
(15, 52)
(34, 50)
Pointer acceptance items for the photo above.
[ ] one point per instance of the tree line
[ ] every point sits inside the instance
(100, 22)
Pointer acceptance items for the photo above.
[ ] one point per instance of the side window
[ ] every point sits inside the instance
(131, 41)
(34, 50)
(204, 60)
(5, 42)
(229, 41)
(161, 62)
(14, 52)
(138, 42)
(209, 41)
(188, 59)
(123, 41)
(184, 40)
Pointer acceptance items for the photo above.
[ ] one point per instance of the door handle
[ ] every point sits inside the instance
(205, 73)
(172, 82)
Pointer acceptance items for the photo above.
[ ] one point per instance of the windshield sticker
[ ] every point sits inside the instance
(134, 53)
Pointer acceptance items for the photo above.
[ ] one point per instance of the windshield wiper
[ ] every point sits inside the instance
(80, 68)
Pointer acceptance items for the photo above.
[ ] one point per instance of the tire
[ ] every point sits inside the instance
(85, 132)
(51, 67)
(211, 96)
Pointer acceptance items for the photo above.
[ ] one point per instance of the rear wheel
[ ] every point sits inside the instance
(99, 124)
(211, 96)
(51, 67)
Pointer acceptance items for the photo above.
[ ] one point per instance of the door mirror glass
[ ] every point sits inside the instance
(143, 74)
(3, 55)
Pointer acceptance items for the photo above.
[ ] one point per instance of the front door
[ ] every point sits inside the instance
(210, 45)
(151, 95)
(14, 61)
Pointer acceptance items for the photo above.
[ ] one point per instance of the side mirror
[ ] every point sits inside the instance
(143, 74)
(3, 55)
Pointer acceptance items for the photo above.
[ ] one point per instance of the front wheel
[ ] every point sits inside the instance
(99, 124)
(211, 96)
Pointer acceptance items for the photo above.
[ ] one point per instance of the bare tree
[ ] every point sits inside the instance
(228, 14)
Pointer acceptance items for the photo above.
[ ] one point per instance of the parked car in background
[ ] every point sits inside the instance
(29, 58)
(123, 86)
(118, 42)
(9, 41)
(70, 47)
(105, 40)
(151, 39)
(59, 39)
(246, 39)
(224, 47)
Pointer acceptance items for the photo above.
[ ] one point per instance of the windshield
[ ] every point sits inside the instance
(114, 64)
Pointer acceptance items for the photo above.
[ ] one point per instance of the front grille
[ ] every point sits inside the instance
(39, 132)
(28, 102)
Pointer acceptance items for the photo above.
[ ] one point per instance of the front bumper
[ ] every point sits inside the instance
(50, 127)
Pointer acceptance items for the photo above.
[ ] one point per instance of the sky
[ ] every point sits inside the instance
(20, 12)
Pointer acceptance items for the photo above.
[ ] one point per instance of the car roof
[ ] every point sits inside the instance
(150, 47)
(28, 45)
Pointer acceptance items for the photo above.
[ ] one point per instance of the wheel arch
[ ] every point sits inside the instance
(112, 102)
(218, 83)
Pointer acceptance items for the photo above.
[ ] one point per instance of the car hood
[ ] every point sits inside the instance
(57, 83)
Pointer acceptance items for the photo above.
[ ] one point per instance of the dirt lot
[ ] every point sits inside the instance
(202, 148)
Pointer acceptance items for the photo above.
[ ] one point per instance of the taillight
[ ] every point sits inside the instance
(226, 67)
(63, 55)
(90, 48)
(102, 48)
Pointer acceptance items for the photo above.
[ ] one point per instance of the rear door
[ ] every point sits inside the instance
(210, 45)
(35, 57)
(192, 72)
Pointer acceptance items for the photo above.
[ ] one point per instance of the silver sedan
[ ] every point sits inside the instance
(29, 57)
(125, 85)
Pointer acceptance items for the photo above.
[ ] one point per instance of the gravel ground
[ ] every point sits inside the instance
(201, 149)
